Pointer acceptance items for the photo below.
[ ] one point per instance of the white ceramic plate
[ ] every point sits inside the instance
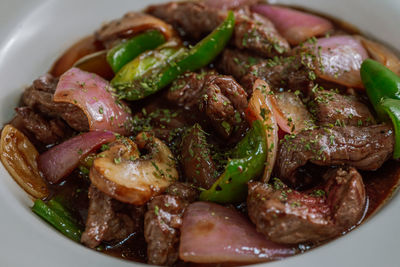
(34, 33)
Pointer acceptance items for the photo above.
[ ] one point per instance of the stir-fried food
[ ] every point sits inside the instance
(210, 132)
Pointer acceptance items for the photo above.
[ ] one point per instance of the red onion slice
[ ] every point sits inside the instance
(94, 96)
(291, 114)
(294, 25)
(339, 59)
(260, 108)
(214, 234)
(61, 160)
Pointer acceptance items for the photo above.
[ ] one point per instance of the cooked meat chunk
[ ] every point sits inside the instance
(346, 196)
(39, 97)
(109, 219)
(330, 107)
(224, 103)
(198, 166)
(46, 131)
(236, 62)
(288, 73)
(195, 20)
(185, 191)
(161, 229)
(219, 97)
(365, 148)
(290, 217)
(186, 91)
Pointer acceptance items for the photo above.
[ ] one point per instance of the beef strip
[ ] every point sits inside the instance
(365, 148)
(288, 73)
(184, 191)
(236, 62)
(109, 219)
(224, 103)
(198, 166)
(220, 98)
(187, 90)
(39, 97)
(196, 20)
(45, 131)
(290, 217)
(161, 228)
(331, 107)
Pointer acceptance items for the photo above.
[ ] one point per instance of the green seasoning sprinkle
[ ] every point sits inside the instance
(80, 152)
(117, 160)
(101, 111)
(156, 210)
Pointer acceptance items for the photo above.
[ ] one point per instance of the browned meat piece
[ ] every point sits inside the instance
(46, 131)
(346, 196)
(365, 148)
(236, 62)
(184, 191)
(186, 91)
(220, 98)
(331, 107)
(39, 97)
(198, 166)
(286, 73)
(224, 103)
(109, 219)
(161, 229)
(290, 217)
(195, 20)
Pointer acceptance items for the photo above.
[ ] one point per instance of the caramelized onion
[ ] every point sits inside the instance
(291, 114)
(381, 54)
(294, 25)
(96, 63)
(77, 51)
(130, 25)
(260, 108)
(212, 233)
(95, 97)
(338, 59)
(62, 159)
(19, 157)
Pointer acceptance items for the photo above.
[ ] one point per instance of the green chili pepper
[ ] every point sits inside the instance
(123, 53)
(127, 82)
(58, 217)
(380, 83)
(248, 161)
(383, 90)
(392, 109)
(132, 81)
(203, 53)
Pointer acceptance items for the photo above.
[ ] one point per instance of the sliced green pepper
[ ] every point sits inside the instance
(392, 109)
(379, 82)
(58, 218)
(203, 53)
(248, 159)
(199, 56)
(131, 82)
(383, 90)
(123, 53)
